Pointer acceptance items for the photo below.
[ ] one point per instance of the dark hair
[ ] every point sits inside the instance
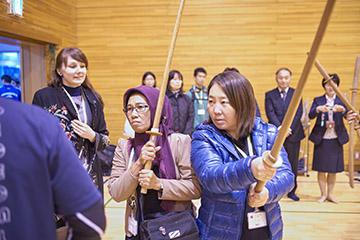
(241, 96)
(147, 74)
(6, 78)
(199, 70)
(334, 77)
(172, 75)
(283, 68)
(231, 69)
(61, 59)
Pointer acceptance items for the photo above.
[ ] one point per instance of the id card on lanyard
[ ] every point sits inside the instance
(84, 118)
(256, 219)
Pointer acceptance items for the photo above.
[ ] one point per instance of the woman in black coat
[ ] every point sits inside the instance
(72, 99)
(182, 106)
(329, 135)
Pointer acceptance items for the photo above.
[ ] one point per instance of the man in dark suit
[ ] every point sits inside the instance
(277, 102)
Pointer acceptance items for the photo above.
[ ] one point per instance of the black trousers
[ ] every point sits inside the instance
(292, 149)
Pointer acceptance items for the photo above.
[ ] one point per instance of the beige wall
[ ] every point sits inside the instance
(122, 39)
(125, 38)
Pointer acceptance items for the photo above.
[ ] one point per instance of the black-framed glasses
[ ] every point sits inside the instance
(139, 108)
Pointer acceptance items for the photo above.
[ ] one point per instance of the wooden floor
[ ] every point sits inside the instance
(304, 220)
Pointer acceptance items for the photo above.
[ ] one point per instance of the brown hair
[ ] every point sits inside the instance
(231, 69)
(241, 96)
(61, 59)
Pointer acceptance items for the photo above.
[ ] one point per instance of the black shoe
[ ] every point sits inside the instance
(293, 197)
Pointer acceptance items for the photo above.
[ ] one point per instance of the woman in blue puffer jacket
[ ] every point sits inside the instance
(226, 156)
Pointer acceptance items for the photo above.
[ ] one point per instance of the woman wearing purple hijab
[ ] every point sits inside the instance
(171, 182)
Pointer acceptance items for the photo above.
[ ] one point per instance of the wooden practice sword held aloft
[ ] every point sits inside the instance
(342, 97)
(270, 158)
(155, 128)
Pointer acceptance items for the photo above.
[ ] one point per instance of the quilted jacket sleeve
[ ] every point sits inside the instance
(215, 174)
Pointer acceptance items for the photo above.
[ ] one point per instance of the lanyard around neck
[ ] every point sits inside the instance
(250, 148)
(199, 97)
(75, 107)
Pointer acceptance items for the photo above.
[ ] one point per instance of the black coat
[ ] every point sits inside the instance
(276, 107)
(183, 112)
(318, 131)
(55, 101)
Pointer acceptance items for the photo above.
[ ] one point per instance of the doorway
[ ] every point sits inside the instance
(25, 63)
(10, 70)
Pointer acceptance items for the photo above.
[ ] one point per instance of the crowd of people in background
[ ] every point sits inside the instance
(212, 145)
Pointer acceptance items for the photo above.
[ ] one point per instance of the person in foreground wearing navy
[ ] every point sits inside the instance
(39, 174)
(227, 158)
(328, 135)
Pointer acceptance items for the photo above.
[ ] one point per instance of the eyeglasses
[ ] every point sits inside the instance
(140, 108)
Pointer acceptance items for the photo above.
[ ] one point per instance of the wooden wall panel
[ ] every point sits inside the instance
(49, 21)
(33, 69)
(125, 38)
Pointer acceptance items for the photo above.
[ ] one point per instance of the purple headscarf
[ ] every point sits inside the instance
(163, 159)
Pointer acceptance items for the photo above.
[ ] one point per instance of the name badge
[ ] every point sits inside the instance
(201, 111)
(257, 219)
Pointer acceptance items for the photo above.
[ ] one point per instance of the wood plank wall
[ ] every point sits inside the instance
(125, 38)
(51, 21)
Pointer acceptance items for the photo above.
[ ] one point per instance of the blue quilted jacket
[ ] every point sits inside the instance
(225, 178)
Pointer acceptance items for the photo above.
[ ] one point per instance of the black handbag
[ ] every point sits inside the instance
(166, 226)
(106, 157)
(172, 225)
